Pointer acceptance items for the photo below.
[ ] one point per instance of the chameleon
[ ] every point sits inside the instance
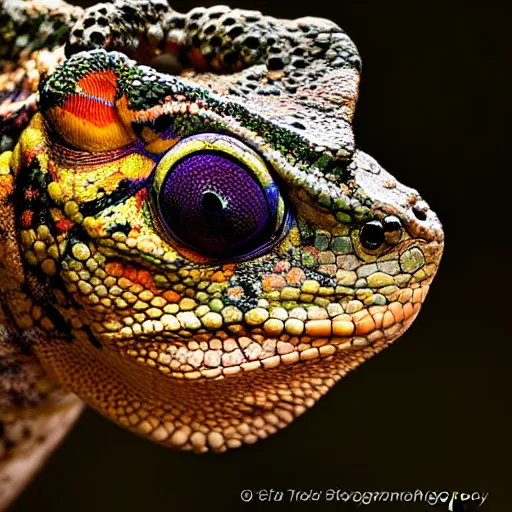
(191, 241)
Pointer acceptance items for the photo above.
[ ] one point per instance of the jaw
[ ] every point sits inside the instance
(205, 414)
(216, 390)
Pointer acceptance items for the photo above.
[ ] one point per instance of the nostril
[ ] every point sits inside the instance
(420, 214)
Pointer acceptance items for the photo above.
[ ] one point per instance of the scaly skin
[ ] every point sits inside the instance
(118, 287)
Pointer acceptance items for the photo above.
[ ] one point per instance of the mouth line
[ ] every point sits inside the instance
(193, 358)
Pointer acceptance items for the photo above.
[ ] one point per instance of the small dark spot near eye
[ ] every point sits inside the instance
(419, 214)
(103, 11)
(78, 33)
(103, 22)
(88, 22)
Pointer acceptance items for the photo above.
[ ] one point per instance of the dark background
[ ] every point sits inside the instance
(433, 411)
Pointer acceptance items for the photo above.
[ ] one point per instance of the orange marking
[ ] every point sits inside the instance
(171, 296)
(130, 273)
(90, 110)
(114, 269)
(140, 198)
(102, 84)
(236, 292)
(64, 224)
(229, 270)
(102, 133)
(6, 186)
(26, 218)
(295, 276)
(218, 277)
(137, 277)
(273, 282)
(145, 278)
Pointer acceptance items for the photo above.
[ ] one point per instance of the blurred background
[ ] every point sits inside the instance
(433, 411)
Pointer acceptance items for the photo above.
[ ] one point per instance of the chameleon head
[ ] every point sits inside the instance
(201, 271)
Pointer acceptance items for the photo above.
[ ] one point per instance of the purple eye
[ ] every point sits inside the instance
(219, 200)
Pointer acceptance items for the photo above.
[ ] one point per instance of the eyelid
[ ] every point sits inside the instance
(212, 142)
(250, 164)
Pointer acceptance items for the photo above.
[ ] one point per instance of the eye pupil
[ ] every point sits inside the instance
(212, 203)
(372, 235)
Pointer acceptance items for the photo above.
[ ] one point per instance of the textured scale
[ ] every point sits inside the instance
(191, 242)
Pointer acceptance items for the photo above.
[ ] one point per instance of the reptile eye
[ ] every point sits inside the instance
(372, 235)
(392, 229)
(215, 196)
